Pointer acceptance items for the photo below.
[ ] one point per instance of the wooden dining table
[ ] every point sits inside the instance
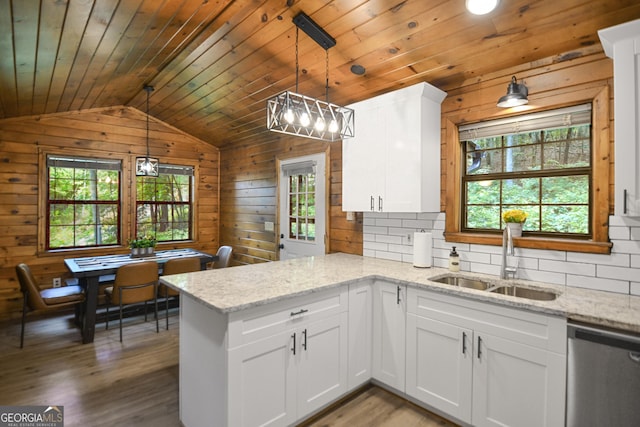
(88, 271)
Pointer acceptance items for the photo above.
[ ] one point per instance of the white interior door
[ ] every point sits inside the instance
(302, 206)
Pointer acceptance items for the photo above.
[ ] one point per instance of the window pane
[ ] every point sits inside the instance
(567, 154)
(521, 191)
(525, 158)
(484, 162)
(483, 192)
(483, 217)
(565, 189)
(164, 206)
(565, 219)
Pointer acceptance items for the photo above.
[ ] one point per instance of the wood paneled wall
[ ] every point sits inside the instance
(117, 131)
(248, 198)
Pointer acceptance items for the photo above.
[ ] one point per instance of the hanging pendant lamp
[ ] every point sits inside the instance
(147, 166)
(295, 114)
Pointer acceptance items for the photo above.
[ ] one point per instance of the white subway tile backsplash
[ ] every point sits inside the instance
(542, 276)
(567, 267)
(626, 246)
(597, 283)
(383, 238)
(620, 260)
(621, 233)
(390, 236)
(620, 273)
(387, 222)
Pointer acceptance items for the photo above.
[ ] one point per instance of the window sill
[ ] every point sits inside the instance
(586, 246)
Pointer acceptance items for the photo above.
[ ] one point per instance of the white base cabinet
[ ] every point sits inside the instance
(485, 365)
(265, 366)
(360, 333)
(389, 323)
(273, 365)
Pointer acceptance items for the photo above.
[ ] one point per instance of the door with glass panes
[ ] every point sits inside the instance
(302, 206)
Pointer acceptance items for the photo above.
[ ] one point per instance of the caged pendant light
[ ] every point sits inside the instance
(295, 114)
(147, 166)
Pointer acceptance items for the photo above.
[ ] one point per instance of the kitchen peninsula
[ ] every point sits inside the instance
(272, 343)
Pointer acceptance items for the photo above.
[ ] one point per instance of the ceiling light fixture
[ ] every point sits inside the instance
(516, 95)
(481, 7)
(300, 115)
(147, 166)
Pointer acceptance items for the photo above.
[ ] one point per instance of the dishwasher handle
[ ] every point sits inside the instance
(605, 337)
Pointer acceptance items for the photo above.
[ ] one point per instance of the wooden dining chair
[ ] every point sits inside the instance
(224, 258)
(176, 266)
(44, 300)
(134, 284)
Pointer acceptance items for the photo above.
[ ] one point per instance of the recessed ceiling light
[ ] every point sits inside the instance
(481, 7)
(357, 70)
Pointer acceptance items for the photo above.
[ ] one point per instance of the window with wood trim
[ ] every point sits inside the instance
(301, 200)
(539, 163)
(83, 202)
(164, 205)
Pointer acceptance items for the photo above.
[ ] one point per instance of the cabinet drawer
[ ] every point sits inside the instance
(520, 325)
(263, 321)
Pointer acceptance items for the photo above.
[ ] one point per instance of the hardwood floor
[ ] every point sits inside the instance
(135, 383)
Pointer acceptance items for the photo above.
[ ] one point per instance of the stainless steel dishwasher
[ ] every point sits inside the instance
(603, 377)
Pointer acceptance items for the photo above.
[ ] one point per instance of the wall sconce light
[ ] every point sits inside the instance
(481, 7)
(516, 95)
(295, 114)
(147, 166)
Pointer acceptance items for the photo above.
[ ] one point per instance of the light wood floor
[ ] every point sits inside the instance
(135, 383)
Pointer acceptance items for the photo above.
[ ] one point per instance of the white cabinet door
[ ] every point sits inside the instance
(363, 161)
(439, 365)
(516, 384)
(360, 334)
(389, 326)
(262, 382)
(322, 363)
(393, 162)
(622, 43)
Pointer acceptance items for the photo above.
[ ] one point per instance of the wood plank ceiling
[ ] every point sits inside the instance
(214, 63)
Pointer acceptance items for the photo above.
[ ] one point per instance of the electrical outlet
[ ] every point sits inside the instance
(57, 282)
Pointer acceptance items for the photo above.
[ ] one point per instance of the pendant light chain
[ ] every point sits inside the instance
(297, 65)
(148, 89)
(327, 75)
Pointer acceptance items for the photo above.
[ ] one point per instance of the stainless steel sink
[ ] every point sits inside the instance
(463, 282)
(528, 293)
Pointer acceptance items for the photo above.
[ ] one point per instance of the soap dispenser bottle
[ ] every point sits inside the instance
(454, 260)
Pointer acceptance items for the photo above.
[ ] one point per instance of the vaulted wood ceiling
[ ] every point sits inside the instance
(214, 63)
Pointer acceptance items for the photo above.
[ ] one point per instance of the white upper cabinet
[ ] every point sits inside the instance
(392, 164)
(622, 44)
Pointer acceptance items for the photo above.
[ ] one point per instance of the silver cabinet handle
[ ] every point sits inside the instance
(464, 343)
(380, 203)
(398, 295)
(304, 341)
(301, 311)
(372, 208)
(293, 349)
(624, 202)
(479, 346)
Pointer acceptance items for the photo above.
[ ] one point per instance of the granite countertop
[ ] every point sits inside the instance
(238, 288)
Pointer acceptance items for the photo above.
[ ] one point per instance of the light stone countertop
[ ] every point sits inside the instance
(237, 288)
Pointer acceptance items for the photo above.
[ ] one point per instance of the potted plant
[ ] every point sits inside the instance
(514, 218)
(142, 246)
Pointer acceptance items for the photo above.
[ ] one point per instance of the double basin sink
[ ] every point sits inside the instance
(482, 285)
